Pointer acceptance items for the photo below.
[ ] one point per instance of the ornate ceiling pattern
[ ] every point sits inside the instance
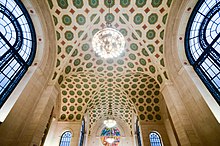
(130, 82)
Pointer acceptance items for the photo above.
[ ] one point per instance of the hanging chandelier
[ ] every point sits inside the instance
(109, 123)
(108, 42)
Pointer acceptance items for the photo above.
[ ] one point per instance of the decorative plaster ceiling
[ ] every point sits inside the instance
(130, 82)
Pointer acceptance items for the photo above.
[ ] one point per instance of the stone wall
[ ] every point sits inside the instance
(24, 122)
(188, 101)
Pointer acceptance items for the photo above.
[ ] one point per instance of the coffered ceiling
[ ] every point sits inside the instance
(130, 82)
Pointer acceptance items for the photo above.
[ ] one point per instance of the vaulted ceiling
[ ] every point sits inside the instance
(130, 82)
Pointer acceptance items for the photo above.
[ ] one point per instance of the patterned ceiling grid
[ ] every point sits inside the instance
(130, 82)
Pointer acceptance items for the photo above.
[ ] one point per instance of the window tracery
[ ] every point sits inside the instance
(17, 45)
(155, 139)
(202, 44)
(66, 138)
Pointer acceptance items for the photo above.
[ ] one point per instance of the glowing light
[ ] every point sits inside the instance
(109, 123)
(108, 43)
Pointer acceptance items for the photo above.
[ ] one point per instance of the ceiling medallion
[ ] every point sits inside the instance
(108, 42)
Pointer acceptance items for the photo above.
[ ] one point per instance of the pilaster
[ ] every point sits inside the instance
(182, 123)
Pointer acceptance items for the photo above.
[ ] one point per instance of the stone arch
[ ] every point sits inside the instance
(126, 137)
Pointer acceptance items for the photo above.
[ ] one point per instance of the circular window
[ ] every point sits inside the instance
(202, 43)
(17, 45)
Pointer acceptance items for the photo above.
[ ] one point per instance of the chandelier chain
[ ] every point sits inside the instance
(108, 22)
(108, 42)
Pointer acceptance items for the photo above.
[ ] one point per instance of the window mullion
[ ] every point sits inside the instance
(206, 52)
(6, 41)
(6, 61)
(201, 58)
(213, 58)
(14, 52)
(16, 18)
(215, 40)
(19, 58)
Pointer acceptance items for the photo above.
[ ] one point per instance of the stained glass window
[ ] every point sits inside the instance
(155, 139)
(66, 138)
(17, 45)
(202, 43)
(108, 132)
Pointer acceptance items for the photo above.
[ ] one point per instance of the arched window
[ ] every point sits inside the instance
(155, 139)
(202, 43)
(17, 45)
(138, 133)
(66, 138)
(82, 133)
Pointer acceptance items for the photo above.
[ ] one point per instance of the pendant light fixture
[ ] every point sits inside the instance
(108, 42)
(110, 122)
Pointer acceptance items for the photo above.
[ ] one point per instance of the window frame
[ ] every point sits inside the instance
(13, 52)
(82, 133)
(208, 52)
(67, 143)
(138, 133)
(159, 137)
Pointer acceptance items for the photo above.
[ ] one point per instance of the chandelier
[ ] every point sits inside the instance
(109, 123)
(108, 42)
